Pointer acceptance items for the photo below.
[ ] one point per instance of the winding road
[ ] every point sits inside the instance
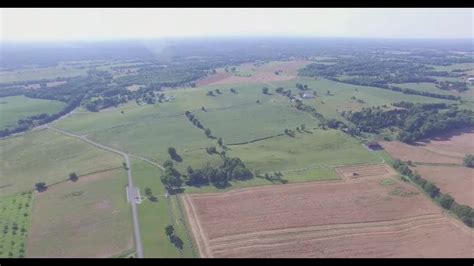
(136, 224)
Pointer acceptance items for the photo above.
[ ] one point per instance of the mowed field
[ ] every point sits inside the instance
(87, 218)
(17, 107)
(47, 156)
(368, 217)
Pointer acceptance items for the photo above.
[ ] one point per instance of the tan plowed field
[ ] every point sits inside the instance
(345, 219)
(418, 153)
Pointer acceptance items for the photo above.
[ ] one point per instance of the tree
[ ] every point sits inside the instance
(148, 192)
(168, 164)
(169, 230)
(446, 201)
(174, 155)
(431, 189)
(207, 132)
(73, 177)
(204, 109)
(190, 170)
(469, 160)
(265, 90)
(219, 141)
(40, 186)
(258, 101)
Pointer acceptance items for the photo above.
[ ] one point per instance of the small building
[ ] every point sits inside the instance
(373, 145)
(308, 96)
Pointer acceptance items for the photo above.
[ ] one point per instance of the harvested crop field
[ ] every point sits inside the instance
(356, 218)
(417, 153)
(263, 73)
(456, 181)
(456, 143)
(364, 170)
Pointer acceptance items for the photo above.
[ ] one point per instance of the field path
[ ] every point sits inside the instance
(136, 224)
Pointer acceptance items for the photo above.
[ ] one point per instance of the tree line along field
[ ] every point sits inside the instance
(17, 107)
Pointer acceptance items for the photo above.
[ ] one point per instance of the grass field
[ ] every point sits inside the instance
(87, 218)
(155, 216)
(307, 152)
(47, 156)
(17, 107)
(254, 121)
(15, 220)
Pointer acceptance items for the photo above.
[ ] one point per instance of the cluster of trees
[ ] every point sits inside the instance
(174, 239)
(220, 176)
(265, 91)
(464, 212)
(174, 155)
(192, 118)
(302, 87)
(469, 160)
(415, 121)
(171, 178)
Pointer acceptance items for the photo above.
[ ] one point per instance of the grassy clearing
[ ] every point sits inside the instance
(424, 86)
(153, 137)
(87, 218)
(15, 220)
(254, 121)
(321, 148)
(17, 107)
(463, 66)
(47, 156)
(153, 216)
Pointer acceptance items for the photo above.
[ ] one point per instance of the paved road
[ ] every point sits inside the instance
(136, 225)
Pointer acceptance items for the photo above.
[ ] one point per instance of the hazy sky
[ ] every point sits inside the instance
(89, 24)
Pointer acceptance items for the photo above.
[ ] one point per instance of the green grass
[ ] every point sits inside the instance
(17, 107)
(254, 121)
(15, 209)
(153, 216)
(464, 66)
(87, 218)
(424, 86)
(152, 138)
(321, 148)
(48, 156)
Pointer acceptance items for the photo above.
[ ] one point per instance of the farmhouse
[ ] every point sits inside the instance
(308, 96)
(471, 80)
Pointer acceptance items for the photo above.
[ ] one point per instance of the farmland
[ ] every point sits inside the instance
(47, 156)
(90, 218)
(245, 156)
(17, 107)
(248, 222)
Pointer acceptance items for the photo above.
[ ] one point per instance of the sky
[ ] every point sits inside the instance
(89, 24)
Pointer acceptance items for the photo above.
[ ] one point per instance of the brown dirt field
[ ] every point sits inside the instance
(365, 170)
(406, 152)
(456, 143)
(457, 181)
(264, 73)
(356, 218)
(85, 219)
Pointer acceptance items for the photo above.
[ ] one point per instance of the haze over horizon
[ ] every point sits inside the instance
(94, 24)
